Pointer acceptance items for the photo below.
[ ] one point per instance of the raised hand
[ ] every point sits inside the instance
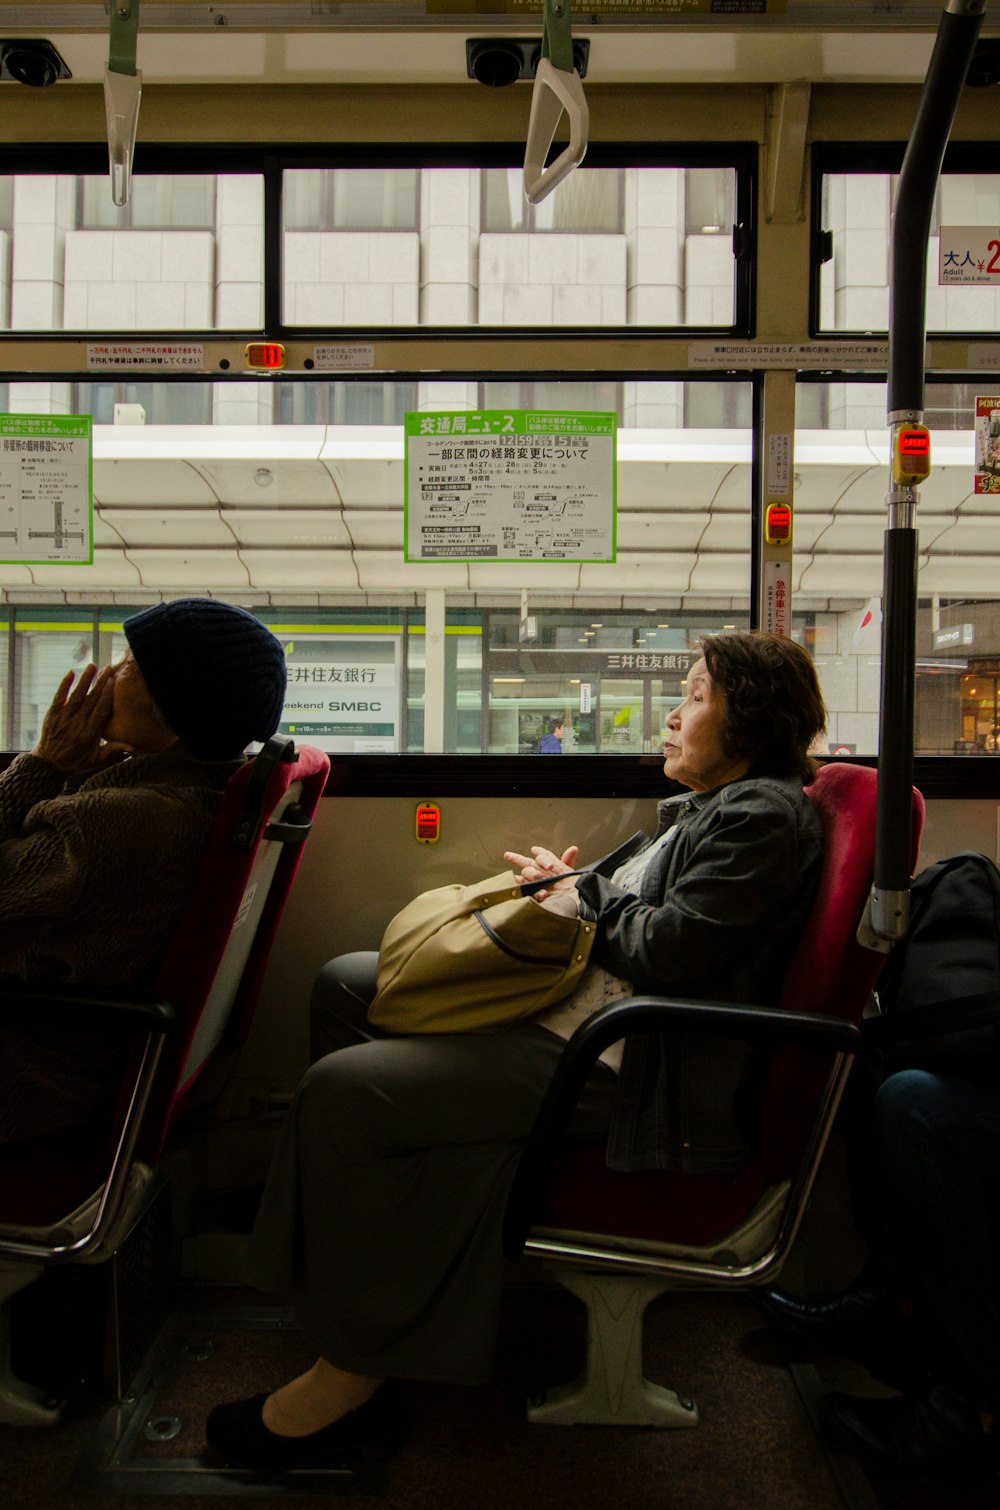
(73, 727)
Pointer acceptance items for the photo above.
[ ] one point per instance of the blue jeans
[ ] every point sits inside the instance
(937, 1145)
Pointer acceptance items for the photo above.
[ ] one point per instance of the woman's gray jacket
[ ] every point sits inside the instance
(719, 913)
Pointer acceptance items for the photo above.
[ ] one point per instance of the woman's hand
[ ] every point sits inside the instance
(541, 863)
(73, 727)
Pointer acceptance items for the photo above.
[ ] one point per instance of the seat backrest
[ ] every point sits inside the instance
(213, 968)
(830, 972)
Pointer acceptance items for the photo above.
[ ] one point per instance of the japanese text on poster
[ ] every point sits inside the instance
(343, 694)
(46, 489)
(987, 445)
(510, 485)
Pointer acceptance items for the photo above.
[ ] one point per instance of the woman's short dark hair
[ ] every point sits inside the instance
(774, 706)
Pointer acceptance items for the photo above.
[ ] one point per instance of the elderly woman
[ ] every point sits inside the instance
(383, 1210)
(103, 827)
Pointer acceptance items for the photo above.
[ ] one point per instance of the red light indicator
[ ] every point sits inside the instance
(778, 524)
(428, 823)
(915, 443)
(911, 454)
(264, 355)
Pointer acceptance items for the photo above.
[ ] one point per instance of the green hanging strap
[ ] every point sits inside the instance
(124, 36)
(557, 35)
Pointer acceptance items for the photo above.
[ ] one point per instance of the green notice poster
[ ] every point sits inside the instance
(510, 485)
(46, 489)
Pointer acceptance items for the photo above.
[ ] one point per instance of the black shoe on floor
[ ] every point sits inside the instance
(375, 1430)
(860, 1322)
(940, 1433)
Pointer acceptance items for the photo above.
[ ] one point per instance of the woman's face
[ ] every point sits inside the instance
(692, 742)
(135, 723)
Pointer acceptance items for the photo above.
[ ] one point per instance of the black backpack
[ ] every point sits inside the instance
(939, 991)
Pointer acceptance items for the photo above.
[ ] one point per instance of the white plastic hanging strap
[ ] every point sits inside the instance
(122, 92)
(557, 90)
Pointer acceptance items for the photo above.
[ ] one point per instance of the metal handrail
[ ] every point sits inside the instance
(959, 28)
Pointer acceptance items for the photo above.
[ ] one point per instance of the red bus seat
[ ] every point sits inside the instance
(69, 1196)
(618, 1240)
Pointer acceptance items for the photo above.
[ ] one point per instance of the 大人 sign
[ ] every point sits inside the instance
(510, 485)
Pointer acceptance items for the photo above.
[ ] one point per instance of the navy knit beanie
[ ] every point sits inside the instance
(214, 671)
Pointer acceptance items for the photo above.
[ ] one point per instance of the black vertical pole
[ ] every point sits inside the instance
(918, 180)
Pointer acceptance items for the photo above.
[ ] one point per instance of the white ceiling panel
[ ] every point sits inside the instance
(833, 576)
(297, 483)
(966, 536)
(676, 486)
(172, 528)
(640, 573)
(845, 448)
(150, 483)
(809, 530)
(819, 487)
(866, 494)
(368, 484)
(856, 533)
(313, 529)
(111, 568)
(724, 572)
(306, 570)
(386, 570)
(959, 576)
(192, 571)
(554, 576)
(728, 532)
(663, 532)
(947, 488)
(210, 442)
(376, 529)
(981, 503)
(734, 490)
(105, 533)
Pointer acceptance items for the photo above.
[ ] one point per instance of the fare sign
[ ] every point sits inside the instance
(969, 254)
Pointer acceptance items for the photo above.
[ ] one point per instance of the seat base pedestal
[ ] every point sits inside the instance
(612, 1390)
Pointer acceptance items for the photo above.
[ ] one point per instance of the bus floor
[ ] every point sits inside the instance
(756, 1447)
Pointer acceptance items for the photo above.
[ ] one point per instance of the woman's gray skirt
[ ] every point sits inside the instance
(383, 1209)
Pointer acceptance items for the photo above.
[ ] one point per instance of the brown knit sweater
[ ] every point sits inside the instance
(93, 876)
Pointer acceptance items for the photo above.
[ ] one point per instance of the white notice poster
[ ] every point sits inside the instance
(510, 485)
(46, 489)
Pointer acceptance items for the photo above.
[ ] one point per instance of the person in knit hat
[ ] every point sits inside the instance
(103, 827)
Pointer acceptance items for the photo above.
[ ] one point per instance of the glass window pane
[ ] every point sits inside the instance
(48, 643)
(854, 283)
(841, 481)
(611, 678)
(312, 514)
(648, 247)
(185, 254)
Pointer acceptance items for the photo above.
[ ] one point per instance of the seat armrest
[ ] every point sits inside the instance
(143, 1007)
(663, 1015)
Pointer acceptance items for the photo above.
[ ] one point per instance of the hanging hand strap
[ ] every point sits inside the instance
(557, 89)
(122, 92)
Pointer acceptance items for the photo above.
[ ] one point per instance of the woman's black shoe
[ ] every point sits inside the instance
(941, 1432)
(861, 1322)
(374, 1430)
